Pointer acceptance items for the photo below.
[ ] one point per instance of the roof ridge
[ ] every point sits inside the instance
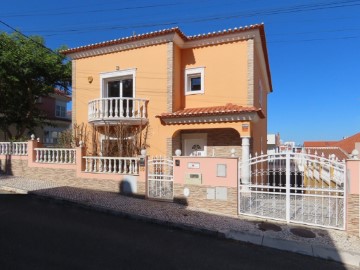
(161, 32)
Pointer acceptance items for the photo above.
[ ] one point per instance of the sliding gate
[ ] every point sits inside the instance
(294, 187)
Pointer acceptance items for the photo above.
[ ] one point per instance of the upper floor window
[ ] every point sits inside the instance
(118, 84)
(60, 111)
(194, 81)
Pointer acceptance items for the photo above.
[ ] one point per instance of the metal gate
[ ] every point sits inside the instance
(160, 178)
(295, 187)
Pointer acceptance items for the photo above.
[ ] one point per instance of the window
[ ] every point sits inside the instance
(194, 81)
(51, 136)
(119, 83)
(120, 86)
(60, 111)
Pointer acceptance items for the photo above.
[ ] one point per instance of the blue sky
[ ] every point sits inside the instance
(313, 47)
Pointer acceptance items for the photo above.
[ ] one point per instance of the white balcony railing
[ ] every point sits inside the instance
(114, 165)
(55, 155)
(13, 148)
(117, 109)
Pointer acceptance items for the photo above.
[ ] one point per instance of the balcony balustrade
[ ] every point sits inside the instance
(132, 111)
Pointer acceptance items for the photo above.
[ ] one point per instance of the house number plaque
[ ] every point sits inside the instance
(193, 165)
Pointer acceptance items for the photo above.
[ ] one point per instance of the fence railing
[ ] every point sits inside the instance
(56, 155)
(115, 165)
(14, 148)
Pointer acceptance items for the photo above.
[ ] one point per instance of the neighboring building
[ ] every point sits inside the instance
(273, 143)
(204, 94)
(340, 149)
(54, 107)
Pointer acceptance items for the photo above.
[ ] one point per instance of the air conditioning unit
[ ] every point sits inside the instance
(193, 178)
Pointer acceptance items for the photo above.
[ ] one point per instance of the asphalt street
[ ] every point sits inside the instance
(45, 234)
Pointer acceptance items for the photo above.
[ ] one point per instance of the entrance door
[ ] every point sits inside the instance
(194, 144)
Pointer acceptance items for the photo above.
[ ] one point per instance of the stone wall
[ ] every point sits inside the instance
(198, 198)
(64, 177)
(352, 224)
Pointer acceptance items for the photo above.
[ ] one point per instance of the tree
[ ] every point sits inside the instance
(28, 70)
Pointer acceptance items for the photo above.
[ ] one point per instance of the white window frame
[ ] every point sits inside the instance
(194, 72)
(62, 108)
(119, 74)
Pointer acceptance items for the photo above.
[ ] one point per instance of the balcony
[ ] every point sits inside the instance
(112, 111)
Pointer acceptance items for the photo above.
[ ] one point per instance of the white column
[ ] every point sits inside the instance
(245, 170)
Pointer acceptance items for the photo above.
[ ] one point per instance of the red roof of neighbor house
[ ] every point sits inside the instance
(216, 110)
(347, 144)
(62, 93)
(319, 143)
(327, 151)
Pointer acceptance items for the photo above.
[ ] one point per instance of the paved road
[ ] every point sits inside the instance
(40, 234)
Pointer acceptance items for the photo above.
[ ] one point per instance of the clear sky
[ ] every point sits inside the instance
(313, 47)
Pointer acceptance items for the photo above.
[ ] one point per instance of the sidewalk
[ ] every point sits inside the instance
(327, 244)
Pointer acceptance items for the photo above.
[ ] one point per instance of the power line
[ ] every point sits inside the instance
(264, 12)
(29, 38)
(89, 11)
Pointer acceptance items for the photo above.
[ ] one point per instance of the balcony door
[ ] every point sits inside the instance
(122, 90)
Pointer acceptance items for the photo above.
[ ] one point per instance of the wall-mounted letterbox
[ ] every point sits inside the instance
(193, 178)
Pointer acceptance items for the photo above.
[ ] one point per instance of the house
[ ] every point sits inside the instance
(273, 143)
(54, 108)
(341, 149)
(204, 94)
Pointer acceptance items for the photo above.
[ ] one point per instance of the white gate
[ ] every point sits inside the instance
(295, 187)
(160, 178)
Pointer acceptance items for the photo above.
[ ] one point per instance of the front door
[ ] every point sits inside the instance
(194, 144)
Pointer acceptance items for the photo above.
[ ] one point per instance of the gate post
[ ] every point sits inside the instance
(245, 154)
(287, 201)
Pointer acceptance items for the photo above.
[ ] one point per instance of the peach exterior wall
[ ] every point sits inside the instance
(151, 81)
(208, 167)
(259, 128)
(225, 69)
(225, 74)
(353, 171)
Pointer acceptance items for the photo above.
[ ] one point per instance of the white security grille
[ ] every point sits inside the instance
(295, 187)
(160, 178)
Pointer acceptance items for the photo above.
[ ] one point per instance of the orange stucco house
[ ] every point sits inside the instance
(205, 94)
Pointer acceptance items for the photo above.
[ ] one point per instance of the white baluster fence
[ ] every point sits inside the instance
(56, 155)
(114, 165)
(117, 108)
(14, 148)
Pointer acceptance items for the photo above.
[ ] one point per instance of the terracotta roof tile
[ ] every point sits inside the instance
(215, 110)
(161, 33)
(319, 143)
(62, 93)
(347, 144)
(185, 38)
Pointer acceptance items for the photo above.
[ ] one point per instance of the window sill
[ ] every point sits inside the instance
(194, 93)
